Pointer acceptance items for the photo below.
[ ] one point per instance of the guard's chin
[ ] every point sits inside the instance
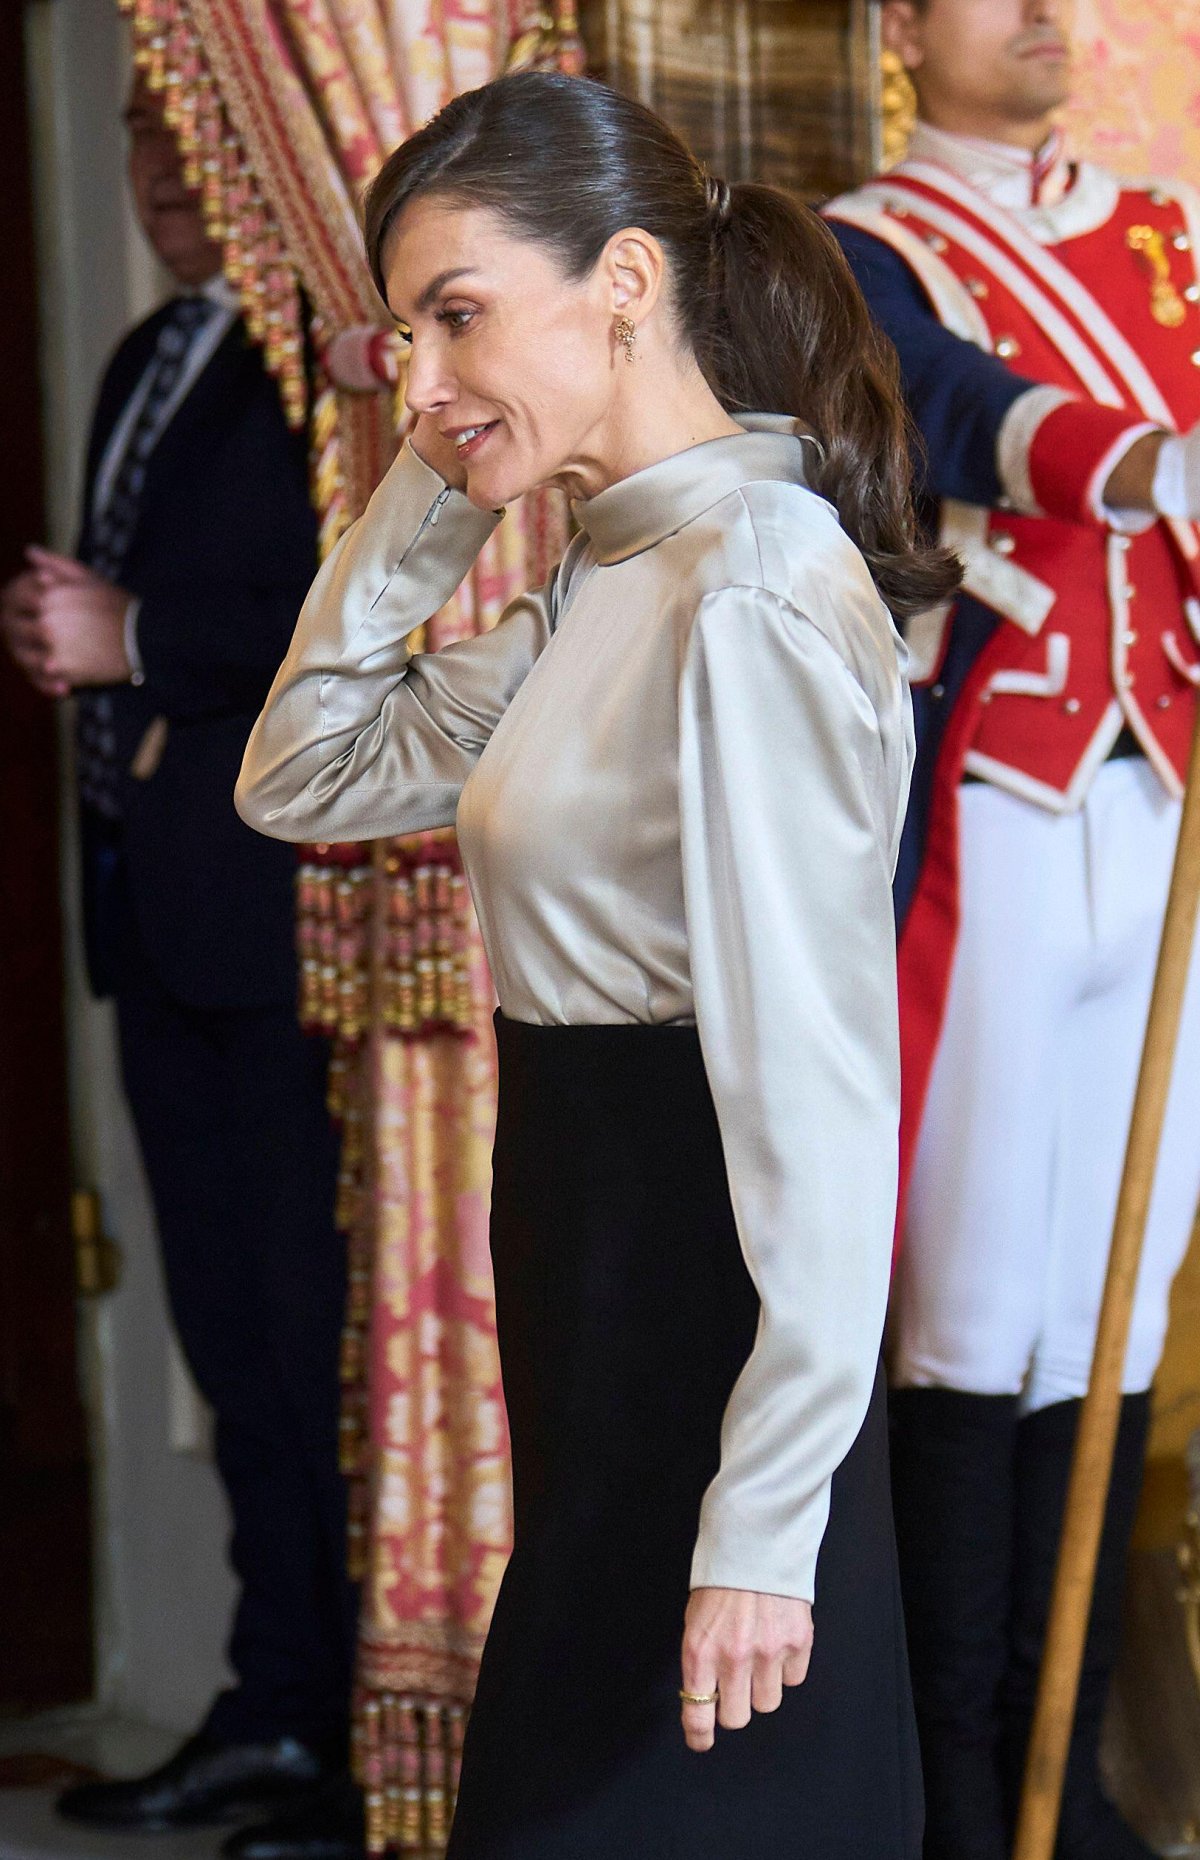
(1050, 90)
(1059, 89)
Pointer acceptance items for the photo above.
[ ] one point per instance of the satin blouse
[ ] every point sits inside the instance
(679, 772)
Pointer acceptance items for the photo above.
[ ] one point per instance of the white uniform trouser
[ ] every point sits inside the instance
(1019, 1160)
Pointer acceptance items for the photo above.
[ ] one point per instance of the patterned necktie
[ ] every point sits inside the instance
(112, 534)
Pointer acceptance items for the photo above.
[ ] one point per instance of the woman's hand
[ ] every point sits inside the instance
(438, 453)
(746, 1648)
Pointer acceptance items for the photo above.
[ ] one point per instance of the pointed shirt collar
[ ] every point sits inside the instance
(639, 511)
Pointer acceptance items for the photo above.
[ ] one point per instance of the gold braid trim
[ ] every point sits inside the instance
(278, 127)
(167, 48)
(286, 148)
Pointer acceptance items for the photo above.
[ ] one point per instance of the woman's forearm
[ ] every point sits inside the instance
(317, 764)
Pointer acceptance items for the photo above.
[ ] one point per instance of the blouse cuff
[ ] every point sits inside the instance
(727, 1559)
(411, 497)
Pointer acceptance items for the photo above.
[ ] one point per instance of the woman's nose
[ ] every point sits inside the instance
(428, 386)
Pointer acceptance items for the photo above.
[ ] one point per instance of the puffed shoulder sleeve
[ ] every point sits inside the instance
(359, 737)
(796, 754)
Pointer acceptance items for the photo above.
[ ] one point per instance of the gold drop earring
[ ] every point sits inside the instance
(627, 336)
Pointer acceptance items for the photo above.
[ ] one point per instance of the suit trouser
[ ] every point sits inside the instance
(241, 1158)
(1019, 1161)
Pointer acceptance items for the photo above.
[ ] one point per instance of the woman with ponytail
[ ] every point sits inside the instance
(679, 772)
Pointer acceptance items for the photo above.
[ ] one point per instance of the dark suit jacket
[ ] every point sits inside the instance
(221, 559)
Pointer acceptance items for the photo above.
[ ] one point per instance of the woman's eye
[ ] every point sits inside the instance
(455, 319)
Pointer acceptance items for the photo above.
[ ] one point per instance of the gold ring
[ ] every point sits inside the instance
(697, 1698)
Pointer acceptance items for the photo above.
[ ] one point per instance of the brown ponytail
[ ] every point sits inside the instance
(761, 292)
(790, 331)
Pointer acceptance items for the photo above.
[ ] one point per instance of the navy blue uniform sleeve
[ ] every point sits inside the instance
(958, 394)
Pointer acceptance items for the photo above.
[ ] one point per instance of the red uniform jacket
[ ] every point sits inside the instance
(1061, 335)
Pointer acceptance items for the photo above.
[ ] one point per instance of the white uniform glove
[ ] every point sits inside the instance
(1176, 487)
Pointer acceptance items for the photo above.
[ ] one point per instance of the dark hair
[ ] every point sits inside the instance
(761, 291)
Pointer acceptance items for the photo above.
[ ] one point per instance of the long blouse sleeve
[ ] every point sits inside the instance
(787, 885)
(361, 738)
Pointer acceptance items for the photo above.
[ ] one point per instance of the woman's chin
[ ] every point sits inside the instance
(483, 497)
(489, 490)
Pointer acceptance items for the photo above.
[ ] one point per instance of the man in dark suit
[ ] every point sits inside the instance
(197, 547)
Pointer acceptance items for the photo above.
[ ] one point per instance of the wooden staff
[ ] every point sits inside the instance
(1091, 1470)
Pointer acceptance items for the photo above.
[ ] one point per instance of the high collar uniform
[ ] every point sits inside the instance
(1046, 315)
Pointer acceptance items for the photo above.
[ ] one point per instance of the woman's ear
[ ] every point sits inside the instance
(634, 267)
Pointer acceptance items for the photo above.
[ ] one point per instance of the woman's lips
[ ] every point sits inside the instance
(467, 449)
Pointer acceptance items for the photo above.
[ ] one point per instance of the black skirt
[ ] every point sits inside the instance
(625, 1314)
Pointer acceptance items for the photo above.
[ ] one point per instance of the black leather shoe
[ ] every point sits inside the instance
(206, 1782)
(330, 1827)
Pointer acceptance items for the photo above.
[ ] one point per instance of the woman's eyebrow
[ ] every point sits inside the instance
(437, 285)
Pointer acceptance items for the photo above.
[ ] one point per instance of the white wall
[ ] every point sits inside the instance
(163, 1591)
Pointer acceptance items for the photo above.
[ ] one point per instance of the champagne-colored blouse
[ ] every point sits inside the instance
(679, 772)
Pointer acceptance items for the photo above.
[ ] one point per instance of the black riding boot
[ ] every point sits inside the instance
(952, 1484)
(1089, 1827)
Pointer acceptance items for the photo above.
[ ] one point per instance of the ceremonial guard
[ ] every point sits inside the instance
(1047, 320)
